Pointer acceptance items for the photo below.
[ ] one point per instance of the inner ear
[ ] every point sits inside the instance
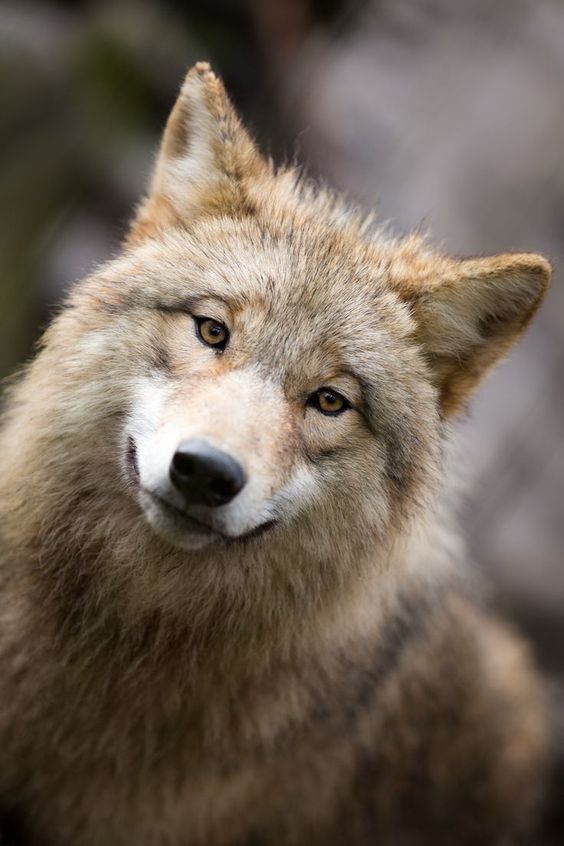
(206, 163)
(471, 314)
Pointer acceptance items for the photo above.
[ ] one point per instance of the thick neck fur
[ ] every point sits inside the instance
(218, 672)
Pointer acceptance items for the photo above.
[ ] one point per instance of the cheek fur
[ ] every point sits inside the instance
(323, 435)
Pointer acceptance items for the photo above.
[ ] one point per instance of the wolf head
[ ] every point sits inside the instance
(260, 361)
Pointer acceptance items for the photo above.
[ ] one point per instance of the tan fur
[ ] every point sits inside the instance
(334, 680)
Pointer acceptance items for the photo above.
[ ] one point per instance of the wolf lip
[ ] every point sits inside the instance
(259, 530)
(193, 523)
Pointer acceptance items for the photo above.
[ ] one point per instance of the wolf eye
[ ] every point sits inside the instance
(328, 401)
(211, 332)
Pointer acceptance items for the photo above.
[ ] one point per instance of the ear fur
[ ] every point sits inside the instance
(205, 161)
(471, 314)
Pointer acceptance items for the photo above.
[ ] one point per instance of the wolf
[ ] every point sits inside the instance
(234, 609)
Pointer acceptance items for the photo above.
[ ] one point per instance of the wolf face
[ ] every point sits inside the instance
(261, 362)
(304, 364)
(272, 396)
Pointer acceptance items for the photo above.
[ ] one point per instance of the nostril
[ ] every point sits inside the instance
(183, 463)
(225, 489)
(205, 475)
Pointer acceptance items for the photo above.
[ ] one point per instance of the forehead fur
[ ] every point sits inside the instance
(298, 260)
(311, 286)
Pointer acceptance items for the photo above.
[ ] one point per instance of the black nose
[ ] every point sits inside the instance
(205, 475)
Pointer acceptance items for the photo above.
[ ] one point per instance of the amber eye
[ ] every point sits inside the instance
(212, 333)
(328, 401)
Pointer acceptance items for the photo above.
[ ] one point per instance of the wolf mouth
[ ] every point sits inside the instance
(192, 523)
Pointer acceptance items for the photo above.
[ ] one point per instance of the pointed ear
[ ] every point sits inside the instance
(205, 161)
(471, 314)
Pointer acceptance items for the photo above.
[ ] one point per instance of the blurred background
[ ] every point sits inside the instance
(445, 114)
